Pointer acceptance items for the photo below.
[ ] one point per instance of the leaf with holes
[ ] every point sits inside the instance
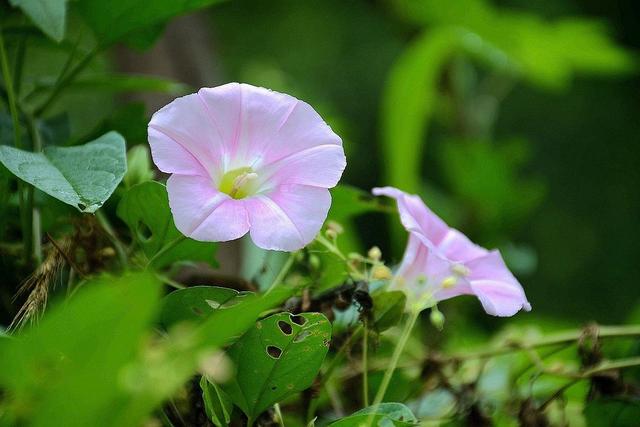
(84, 176)
(278, 357)
(217, 403)
(196, 303)
(145, 209)
(384, 415)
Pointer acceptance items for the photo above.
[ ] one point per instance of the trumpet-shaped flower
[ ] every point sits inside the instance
(440, 262)
(246, 159)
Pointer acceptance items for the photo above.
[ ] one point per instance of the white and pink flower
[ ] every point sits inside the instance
(247, 159)
(440, 262)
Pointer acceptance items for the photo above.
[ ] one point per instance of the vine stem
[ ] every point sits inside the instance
(111, 234)
(283, 272)
(402, 342)
(166, 248)
(365, 367)
(549, 340)
(279, 414)
(25, 220)
(64, 80)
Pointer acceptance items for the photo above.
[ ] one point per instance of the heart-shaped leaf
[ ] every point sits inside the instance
(279, 356)
(145, 209)
(84, 176)
(196, 303)
(48, 15)
(383, 415)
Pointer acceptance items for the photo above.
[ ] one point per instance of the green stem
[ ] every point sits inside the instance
(64, 80)
(365, 367)
(279, 414)
(588, 373)
(402, 342)
(283, 272)
(334, 250)
(172, 244)
(36, 228)
(552, 339)
(13, 109)
(113, 237)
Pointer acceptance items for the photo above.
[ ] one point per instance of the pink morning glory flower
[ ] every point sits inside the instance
(440, 262)
(246, 159)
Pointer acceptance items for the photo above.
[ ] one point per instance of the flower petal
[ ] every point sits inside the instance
(415, 215)
(424, 269)
(319, 166)
(187, 126)
(498, 290)
(288, 218)
(203, 213)
(457, 247)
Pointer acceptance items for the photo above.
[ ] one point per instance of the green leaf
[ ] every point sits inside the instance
(217, 403)
(388, 309)
(68, 367)
(114, 20)
(612, 413)
(278, 357)
(48, 15)
(154, 379)
(145, 209)
(385, 415)
(196, 303)
(82, 176)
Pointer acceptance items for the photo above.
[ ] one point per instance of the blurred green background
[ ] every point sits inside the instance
(517, 121)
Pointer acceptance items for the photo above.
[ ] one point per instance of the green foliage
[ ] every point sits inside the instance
(383, 415)
(48, 15)
(278, 357)
(112, 82)
(612, 413)
(217, 403)
(196, 303)
(82, 176)
(115, 20)
(87, 341)
(145, 209)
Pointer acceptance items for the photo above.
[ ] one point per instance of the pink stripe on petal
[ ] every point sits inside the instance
(319, 166)
(288, 218)
(203, 213)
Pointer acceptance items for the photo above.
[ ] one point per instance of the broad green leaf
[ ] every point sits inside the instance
(48, 15)
(196, 303)
(82, 176)
(388, 309)
(217, 403)
(114, 20)
(160, 374)
(278, 357)
(384, 415)
(68, 367)
(145, 209)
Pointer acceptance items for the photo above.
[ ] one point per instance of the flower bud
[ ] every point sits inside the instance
(332, 225)
(381, 272)
(437, 318)
(374, 253)
(314, 261)
(138, 166)
(331, 234)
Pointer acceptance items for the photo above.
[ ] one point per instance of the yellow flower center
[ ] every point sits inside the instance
(239, 183)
